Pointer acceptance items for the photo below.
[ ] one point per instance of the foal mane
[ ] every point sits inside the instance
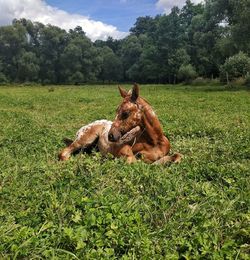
(146, 101)
(147, 105)
(152, 122)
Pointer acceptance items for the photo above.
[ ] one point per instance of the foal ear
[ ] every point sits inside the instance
(135, 93)
(122, 92)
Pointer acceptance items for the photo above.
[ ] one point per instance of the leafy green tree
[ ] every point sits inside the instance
(188, 12)
(12, 41)
(147, 67)
(76, 78)
(235, 15)
(187, 73)
(111, 68)
(131, 50)
(143, 25)
(53, 40)
(80, 55)
(240, 24)
(176, 60)
(3, 78)
(28, 67)
(170, 39)
(70, 60)
(235, 67)
(157, 49)
(204, 33)
(33, 33)
(113, 44)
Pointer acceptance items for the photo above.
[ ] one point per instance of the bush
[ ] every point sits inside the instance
(187, 73)
(3, 78)
(76, 78)
(200, 81)
(239, 81)
(235, 67)
(247, 81)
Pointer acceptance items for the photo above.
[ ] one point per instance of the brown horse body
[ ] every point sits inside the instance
(136, 133)
(150, 144)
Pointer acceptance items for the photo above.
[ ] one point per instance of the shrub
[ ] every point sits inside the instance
(235, 67)
(239, 81)
(187, 73)
(46, 82)
(3, 78)
(200, 81)
(247, 81)
(76, 78)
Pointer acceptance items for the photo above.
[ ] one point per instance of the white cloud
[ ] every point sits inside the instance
(167, 5)
(39, 10)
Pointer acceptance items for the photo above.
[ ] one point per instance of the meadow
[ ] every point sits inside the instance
(92, 207)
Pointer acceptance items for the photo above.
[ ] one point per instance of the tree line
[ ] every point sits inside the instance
(208, 40)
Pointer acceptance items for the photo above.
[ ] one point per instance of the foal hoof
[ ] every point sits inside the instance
(62, 157)
(177, 157)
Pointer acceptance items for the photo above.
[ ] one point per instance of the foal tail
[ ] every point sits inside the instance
(175, 158)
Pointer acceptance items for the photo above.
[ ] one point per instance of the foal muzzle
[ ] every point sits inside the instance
(114, 135)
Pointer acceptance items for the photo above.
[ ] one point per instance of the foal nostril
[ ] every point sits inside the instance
(111, 137)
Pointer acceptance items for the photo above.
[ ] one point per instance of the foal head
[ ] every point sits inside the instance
(128, 115)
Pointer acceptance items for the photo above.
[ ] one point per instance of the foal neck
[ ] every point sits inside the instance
(151, 123)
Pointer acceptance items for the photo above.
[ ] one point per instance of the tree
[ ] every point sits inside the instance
(188, 12)
(235, 67)
(147, 67)
(28, 67)
(131, 50)
(187, 73)
(204, 32)
(12, 41)
(111, 68)
(170, 39)
(143, 25)
(3, 78)
(33, 33)
(76, 78)
(53, 40)
(199, 37)
(235, 14)
(113, 44)
(79, 55)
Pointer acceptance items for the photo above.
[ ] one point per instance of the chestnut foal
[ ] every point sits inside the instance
(135, 133)
(150, 143)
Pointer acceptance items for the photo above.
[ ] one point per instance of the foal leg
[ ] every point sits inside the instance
(176, 158)
(67, 151)
(85, 137)
(125, 152)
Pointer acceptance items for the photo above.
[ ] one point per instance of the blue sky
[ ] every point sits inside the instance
(119, 13)
(98, 18)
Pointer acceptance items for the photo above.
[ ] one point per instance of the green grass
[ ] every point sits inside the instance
(101, 208)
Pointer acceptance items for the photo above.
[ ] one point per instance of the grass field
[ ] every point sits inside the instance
(100, 208)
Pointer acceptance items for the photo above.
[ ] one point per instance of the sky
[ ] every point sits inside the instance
(98, 18)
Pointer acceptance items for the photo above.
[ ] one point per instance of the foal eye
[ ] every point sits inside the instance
(125, 115)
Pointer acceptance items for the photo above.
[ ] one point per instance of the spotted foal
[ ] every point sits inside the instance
(135, 133)
(95, 135)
